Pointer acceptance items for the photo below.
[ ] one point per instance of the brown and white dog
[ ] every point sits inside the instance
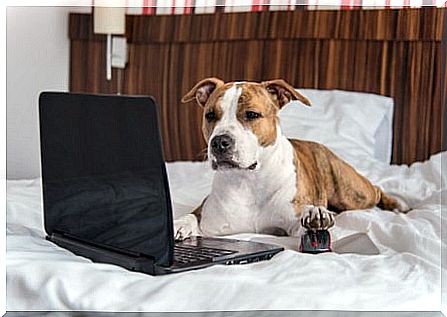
(264, 182)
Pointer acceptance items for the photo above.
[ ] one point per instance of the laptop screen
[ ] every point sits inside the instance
(103, 173)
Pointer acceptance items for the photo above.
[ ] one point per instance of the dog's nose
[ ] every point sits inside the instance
(221, 144)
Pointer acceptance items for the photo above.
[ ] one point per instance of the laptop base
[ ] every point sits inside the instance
(100, 255)
(256, 252)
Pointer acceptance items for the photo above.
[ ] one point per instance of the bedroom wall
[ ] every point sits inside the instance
(37, 59)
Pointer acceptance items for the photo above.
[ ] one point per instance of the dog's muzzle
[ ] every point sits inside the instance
(223, 150)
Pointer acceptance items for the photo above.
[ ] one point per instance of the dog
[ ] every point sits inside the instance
(264, 182)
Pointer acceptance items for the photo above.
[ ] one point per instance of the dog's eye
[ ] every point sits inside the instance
(251, 115)
(210, 116)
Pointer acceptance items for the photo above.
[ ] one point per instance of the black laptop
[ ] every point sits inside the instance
(106, 192)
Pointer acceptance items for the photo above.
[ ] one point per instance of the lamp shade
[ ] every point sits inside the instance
(109, 18)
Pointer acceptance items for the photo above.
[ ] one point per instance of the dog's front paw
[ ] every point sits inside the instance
(185, 227)
(317, 218)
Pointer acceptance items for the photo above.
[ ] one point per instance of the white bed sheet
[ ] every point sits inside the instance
(404, 276)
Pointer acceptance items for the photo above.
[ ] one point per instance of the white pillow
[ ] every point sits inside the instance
(352, 124)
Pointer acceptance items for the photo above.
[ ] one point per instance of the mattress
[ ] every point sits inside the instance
(404, 275)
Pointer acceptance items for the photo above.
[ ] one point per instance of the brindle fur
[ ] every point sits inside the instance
(326, 180)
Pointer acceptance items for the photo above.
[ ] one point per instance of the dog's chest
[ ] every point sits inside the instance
(252, 202)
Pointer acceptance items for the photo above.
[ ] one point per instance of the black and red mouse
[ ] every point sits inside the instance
(316, 241)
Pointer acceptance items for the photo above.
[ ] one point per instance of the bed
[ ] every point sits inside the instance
(395, 141)
(404, 276)
(403, 273)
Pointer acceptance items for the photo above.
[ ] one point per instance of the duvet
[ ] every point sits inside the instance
(404, 275)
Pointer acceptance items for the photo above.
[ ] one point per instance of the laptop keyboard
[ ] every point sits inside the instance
(186, 254)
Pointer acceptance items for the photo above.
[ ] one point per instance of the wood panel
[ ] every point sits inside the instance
(443, 76)
(405, 24)
(396, 53)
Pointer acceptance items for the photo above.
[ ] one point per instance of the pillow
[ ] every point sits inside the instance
(352, 124)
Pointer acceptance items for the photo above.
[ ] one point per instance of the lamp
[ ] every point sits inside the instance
(109, 18)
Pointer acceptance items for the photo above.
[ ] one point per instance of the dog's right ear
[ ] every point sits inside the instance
(202, 90)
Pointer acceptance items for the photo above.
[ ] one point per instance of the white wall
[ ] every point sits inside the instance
(37, 59)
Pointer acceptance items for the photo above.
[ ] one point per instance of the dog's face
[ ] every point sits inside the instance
(240, 118)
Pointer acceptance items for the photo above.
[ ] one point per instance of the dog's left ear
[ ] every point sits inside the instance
(283, 93)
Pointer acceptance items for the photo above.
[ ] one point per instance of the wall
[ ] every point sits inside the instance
(37, 59)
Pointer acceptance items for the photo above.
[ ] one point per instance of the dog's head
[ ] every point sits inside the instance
(240, 118)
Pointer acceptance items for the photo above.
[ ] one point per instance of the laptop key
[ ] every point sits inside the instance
(187, 254)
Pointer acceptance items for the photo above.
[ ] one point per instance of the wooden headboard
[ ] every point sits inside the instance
(395, 53)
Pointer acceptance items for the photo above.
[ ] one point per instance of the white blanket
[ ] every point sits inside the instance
(404, 276)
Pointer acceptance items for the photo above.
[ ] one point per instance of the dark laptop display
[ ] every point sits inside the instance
(105, 188)
(103, 172)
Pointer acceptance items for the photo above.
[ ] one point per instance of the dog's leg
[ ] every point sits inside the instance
(310, 217)
(185, 227)
(317, 218)
(188, 225)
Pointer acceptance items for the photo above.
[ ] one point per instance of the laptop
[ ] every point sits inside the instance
(106, 192)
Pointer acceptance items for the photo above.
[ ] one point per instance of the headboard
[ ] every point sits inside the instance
(395, 53)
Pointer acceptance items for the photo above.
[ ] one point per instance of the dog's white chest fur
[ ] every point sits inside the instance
(254, 201)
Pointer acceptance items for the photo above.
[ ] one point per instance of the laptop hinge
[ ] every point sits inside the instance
(102, 255)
